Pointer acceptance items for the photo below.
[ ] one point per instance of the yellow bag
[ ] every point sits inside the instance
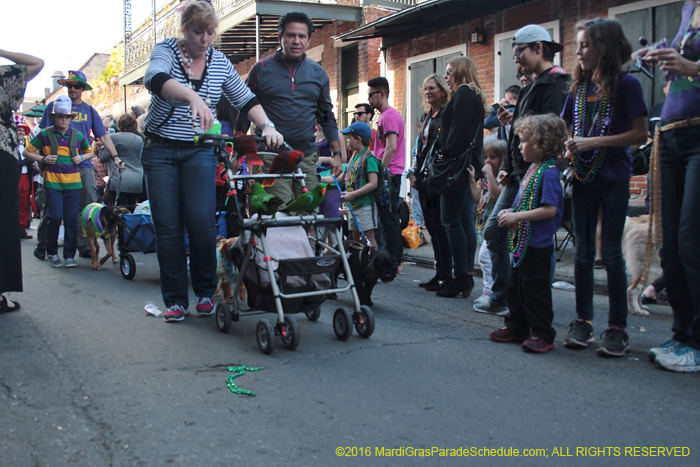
(411, 235)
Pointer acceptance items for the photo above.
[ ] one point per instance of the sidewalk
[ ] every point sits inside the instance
(423, 256)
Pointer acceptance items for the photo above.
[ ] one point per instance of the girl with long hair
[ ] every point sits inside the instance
(435, 92)
(461, 119)
(605, 114)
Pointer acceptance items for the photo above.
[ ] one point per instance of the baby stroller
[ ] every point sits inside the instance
(284, 270)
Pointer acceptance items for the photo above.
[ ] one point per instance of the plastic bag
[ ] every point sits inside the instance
(411, 235)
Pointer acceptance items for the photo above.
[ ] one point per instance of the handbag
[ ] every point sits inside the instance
(640, 160)
(449, 175)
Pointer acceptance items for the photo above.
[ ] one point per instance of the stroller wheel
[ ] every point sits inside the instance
(314, 314)
(128, 266)
(342, 324)
(223, 317)
(266, 336)
(290, 333)
(364, 321)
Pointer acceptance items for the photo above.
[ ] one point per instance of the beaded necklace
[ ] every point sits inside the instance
(187, 62)
(586, 167)
(485, 206)
(356, 170)
(526, 200)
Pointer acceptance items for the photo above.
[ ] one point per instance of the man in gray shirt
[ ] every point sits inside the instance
(295, 93)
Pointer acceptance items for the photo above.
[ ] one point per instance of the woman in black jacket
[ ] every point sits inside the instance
(461, 121)
(435, 92)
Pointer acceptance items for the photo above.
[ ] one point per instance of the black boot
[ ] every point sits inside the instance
(462, 284)
(431, 282)
(440, 284)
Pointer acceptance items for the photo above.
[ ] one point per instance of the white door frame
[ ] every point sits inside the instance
(554, 25)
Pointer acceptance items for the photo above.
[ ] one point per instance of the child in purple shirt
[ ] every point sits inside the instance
(533, 219)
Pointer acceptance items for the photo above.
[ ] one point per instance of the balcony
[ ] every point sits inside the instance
(246, 27)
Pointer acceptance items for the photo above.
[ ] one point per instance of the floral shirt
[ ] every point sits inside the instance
(13, 81)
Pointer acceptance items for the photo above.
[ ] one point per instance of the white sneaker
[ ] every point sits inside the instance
(70, 263)
(684, 359)
(55, 261)
(483, 299)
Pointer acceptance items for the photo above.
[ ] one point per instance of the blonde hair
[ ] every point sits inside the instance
(440, 81)
(546, 132)
(498, 146)
(199, 15)
(464, 72)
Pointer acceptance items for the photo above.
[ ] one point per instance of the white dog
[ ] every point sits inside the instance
(634, 241)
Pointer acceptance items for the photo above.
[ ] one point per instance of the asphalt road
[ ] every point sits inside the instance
(87, 378)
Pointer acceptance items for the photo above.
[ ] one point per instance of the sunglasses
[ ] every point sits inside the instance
(373, 93)
(70, 117)
(75, 86)
(519, 51)
(359, 113)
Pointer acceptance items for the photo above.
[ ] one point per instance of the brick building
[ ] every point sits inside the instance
(405, 40)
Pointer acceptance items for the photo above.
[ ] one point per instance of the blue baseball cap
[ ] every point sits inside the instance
(360, 129)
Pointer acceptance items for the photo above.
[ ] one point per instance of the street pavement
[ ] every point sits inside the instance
(87, 378)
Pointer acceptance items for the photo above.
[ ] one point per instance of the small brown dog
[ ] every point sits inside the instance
(226, 270)
(634, 243)
(98, 221)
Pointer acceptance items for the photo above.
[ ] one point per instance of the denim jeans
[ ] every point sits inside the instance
(497, 239)
(430, 203)
(456, 214)
(62, 205)
(680, 256)
(612, 198)
(87, 196)
(181, 190)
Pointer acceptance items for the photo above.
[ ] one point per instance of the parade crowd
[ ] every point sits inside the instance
(497, 199)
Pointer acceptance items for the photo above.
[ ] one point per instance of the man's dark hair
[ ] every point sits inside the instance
(295, 17)
(379, 83)
(368, 108)
(514, 91)
(547, 52)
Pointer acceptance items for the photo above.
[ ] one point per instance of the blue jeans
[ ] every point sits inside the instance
(497, 240)
(587, 199)
(680, 256)
(457, 217)
(62, 205)
(181, 190)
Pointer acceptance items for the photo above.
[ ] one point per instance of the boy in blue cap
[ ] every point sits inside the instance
(361, 181)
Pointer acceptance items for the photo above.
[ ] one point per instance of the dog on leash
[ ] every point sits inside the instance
(367, 266)
(100, 221)
(226, 270)
(634, 242)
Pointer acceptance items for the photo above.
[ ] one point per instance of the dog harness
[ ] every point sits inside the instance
(91, 213)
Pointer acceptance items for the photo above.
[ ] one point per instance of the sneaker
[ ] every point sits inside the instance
(506, 335)
(489, 308)
(205, 306)
(537, 345)
(70, 263)
(667, 347)
(580, 334)
(55, 261)
(484, 299)
(615, 342)
(683, 359)
(40, 254)
(175, 313)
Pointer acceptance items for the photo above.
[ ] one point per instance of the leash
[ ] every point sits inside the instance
(335, 179)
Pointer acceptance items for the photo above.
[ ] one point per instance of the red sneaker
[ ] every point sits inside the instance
(505, 335)
(205, 306)
(537, 345)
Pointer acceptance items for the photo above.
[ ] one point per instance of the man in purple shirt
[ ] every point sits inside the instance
(86, 120)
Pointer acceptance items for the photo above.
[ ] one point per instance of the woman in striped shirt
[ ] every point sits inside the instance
(187, 78)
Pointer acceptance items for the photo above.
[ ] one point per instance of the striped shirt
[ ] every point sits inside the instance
(64, 174)
(172, 120)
